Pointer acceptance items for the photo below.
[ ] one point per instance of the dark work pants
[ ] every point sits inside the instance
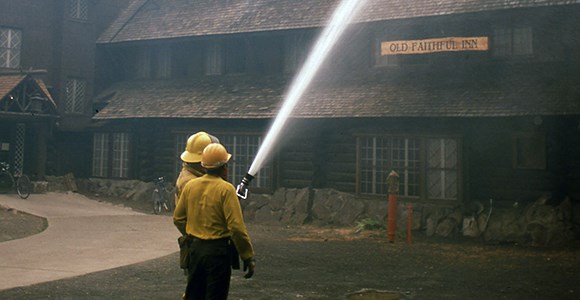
(209, 271)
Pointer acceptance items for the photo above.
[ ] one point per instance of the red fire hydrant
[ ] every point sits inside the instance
(393, 184)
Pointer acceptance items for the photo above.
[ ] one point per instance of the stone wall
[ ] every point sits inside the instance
(130, 190)
(547, 221)
(542, 223)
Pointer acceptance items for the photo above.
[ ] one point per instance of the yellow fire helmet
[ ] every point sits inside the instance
(214, 156)
(194, 147)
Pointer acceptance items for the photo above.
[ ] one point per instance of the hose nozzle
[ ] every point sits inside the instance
(242, 188)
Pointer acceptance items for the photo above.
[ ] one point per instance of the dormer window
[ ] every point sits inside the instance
(513, 42)
(296, 47)
(213, 59)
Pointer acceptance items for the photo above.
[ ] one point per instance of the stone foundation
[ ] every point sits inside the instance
(540, 223)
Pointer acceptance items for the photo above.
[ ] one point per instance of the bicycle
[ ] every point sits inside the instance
(160, 199)
(8, 182)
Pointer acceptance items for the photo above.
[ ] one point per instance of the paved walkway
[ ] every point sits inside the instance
(83, 236)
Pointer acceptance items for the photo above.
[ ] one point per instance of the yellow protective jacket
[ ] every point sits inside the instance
(187, 173)
(208, 208)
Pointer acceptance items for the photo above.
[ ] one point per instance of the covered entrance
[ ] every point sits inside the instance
(27, 116)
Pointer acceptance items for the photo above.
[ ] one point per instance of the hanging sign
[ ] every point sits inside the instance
(434, 45)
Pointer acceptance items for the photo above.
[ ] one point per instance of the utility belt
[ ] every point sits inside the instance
(222, 246)
(217, 242)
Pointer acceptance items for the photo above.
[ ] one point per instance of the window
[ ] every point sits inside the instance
(100, 154)
(143, 64)
(381, 155)
(243, 149)
(111, 155)
(78, 9)
(75, 96)
(10, 43)
(213, 59)
(163, 62)
(180, 142)
(428, 167)
(529, 151)
(19, 148)
(442, 165)
(154, 62)
(516, 41)
(235, 56)
(296, 49)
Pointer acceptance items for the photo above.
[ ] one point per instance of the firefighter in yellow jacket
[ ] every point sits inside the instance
(209, 213)
(191, 157)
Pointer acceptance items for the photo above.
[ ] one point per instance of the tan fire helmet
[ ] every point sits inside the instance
(214, 156)
(194, 147)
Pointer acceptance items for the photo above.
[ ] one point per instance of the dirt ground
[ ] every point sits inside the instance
(16, 225)
(334, 263)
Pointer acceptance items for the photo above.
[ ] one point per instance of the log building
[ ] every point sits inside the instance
(47, 68)
(466, 100)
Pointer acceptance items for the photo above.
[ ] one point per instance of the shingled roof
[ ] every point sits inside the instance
(162, 19)
(9, 81)
(245, 98)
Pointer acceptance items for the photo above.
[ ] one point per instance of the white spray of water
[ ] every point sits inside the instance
(342, 16)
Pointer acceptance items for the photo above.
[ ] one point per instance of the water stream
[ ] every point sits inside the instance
(339, 21)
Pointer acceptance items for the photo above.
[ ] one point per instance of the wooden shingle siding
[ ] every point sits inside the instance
(341, 161)
(296, 168)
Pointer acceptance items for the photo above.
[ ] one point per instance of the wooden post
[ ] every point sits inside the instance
(393, 183)
(41, 151)
(409, 221)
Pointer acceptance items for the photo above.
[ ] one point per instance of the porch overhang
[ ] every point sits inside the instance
(243, 98)
(22, 95)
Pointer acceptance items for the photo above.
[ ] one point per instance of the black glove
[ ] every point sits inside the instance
(249, 265)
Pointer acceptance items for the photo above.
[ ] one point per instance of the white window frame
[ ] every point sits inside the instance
(384, 154)
(111, 154)
(10, 47)
(120, 167)
(442, 169)
(76, 96)
(100, 154)
(78, 9)
(243, 149)
(180, 141)
(378, 155)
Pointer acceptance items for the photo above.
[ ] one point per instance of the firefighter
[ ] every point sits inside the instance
(209, 213)
(191, 168)
(191, 157)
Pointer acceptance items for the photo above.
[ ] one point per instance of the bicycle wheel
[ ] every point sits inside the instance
(157, 205)
(169, 202)
(6, 183)
(23, 186)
